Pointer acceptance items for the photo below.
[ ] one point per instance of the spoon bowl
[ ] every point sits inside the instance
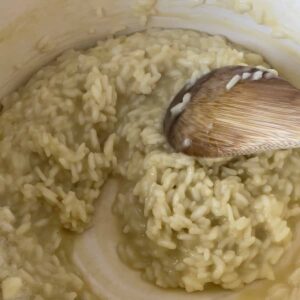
(235, 110)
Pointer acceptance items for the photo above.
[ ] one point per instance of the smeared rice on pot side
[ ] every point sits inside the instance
(96, 114)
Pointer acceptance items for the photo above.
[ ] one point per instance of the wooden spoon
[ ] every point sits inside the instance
(234, 111)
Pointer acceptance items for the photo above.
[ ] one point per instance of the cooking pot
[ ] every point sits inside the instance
(33, 32)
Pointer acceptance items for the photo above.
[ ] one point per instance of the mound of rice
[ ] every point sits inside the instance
(98, 114)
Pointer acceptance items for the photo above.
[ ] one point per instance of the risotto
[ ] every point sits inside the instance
(97, 114)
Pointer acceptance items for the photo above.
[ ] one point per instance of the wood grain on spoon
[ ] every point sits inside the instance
(251, 117)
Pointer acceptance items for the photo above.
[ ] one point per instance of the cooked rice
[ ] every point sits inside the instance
(180, 107)
(270, 75)
(257, 75)
(233, 81)
(98, 113)
(190, 222)
(246, 75)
